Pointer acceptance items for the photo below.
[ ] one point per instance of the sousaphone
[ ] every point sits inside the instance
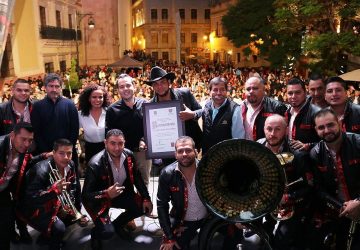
(240, 180)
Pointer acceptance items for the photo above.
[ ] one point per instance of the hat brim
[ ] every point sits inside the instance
(170, 76)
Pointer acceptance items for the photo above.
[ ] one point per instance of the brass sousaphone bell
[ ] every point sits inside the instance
(240, 180)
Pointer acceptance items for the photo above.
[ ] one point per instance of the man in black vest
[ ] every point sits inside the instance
(221, 117)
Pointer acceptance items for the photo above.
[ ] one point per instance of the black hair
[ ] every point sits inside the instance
(20, 80)
(325, 111)
(84, 103)
(23, 125)
(61, 143)
(185, 138)
(336, 79)
(296, 81)
(114, 132)
(316, 76)
(217, 80)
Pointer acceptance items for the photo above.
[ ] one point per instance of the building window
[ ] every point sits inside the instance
(42, 16)
(70, 22)
(165, 38)
(182, 38)
(62, 66)
(153, 14)
(155, 55)
(154, 38)
(193, 14)
(194, 37)
(182, 13)
(238, 57)
(207, 14)
(58, 19)
(49, 67)
(165, 55)
(164, 14)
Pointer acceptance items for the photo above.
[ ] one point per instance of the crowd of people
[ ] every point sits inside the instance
(317, 122)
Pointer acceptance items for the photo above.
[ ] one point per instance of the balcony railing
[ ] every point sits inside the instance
(52, 32)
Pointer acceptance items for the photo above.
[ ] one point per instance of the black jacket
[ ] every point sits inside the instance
(269, 107)
(99, 177)
(351, 121)
(326, 180)
(219, 129)
(192, 127)
(8, 118)
(172, 187)
(26, 161)
(40, 204)
(304, 125)
(129, 121)
(298, 194)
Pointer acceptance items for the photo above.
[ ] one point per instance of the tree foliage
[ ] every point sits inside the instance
(73, 82)
(317, 30)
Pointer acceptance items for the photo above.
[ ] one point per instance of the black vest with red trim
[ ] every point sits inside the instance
(269, 106)
(326, 177)
(303, 128)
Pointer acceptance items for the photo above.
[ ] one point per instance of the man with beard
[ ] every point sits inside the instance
(110, 179)
(300, 116)
(336, 177)
(17, 109)
(177, 185)
(317, 90)
(290, 232)
(257, 107)
(347, 112)
(221, 116)
(160, 81)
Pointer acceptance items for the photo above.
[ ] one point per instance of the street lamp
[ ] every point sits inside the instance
(91, 24)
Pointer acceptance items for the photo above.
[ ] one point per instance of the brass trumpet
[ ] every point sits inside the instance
(285, 211)
(64, 197)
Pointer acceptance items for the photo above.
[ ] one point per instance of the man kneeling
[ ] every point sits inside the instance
(109, 182)
(177, 185)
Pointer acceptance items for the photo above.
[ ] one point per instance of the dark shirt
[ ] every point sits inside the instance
(52, 121)
(128, 120)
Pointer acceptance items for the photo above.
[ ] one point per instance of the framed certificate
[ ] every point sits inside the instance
(162, 127)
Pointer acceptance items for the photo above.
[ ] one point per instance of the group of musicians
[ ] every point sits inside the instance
(320, 208)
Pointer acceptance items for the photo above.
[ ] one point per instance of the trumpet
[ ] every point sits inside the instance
(64, 197)
(285, 211)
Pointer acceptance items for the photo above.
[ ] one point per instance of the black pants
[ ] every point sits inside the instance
(6, 220)
(104, 228)
(189, 233)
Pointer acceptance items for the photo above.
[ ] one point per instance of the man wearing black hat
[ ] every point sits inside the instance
(160, 80)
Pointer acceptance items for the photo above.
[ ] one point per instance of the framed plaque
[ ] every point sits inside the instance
(162, 127)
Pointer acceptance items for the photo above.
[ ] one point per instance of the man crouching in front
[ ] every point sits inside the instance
(109, 182)
(177, 184)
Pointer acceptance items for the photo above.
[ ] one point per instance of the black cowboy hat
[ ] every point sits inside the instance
(158, 73)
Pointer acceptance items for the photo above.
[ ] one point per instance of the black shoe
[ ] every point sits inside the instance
(25, 237)
(123, 234)
(15, 238)
(96, 244)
